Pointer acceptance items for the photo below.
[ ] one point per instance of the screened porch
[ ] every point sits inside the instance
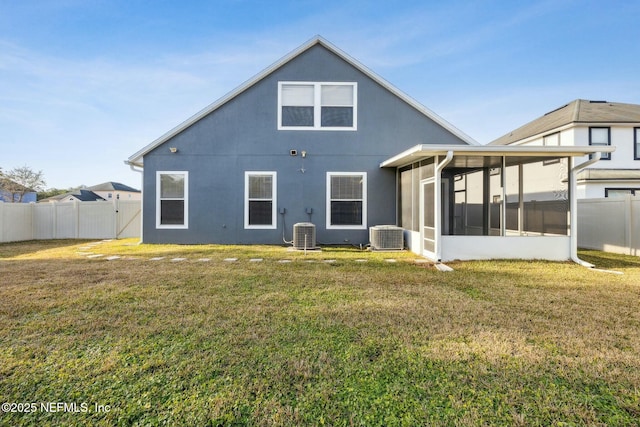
(487, 202)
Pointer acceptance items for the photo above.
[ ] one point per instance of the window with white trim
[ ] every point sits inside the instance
(260, 200)
(347, 200)
(172, 199)
(636, 143)
(317, 106)
(600, 136)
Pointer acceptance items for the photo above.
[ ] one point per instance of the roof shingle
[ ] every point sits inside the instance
(578, 111)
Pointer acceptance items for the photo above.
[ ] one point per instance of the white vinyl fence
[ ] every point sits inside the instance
(611, 224)
(69, 220)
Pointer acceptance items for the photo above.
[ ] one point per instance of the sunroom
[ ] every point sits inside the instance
(489, 202)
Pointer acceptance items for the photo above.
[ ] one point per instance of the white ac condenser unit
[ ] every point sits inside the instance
(304, 235)
(386, 238)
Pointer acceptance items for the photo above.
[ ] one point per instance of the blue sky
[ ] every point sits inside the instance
(84, 84)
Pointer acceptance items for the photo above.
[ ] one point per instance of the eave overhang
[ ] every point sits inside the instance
(137, 158)
(526, 154)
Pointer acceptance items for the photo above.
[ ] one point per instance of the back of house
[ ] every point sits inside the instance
(302, 142)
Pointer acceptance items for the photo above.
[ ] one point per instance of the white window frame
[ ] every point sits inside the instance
(317, 106)
(274, 200)
(605, 156)
(362, 226)
(185, 198)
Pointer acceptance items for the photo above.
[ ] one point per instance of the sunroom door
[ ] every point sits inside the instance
(427, 217)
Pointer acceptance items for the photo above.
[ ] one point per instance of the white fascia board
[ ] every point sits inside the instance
(406, 98)
(136, 158)
(541, 135)
(424, 151)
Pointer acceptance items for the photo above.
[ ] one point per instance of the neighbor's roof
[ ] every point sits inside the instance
(86, 196)
(82, 195)
(113, 186)
(136, 159)
(578, 111)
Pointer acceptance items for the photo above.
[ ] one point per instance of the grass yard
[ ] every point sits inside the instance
(315, 343)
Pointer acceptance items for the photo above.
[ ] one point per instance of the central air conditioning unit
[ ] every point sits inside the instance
(304, 235)
(386, 238)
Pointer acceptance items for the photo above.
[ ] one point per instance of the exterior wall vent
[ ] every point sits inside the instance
(386, 238)
(304, 235)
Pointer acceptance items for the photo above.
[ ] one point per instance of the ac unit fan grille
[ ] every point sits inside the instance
(304, 235)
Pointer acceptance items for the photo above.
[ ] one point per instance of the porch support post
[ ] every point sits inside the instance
(486, 201)
(503, 205)
(573, 205)
(520, 199)
(437, 206)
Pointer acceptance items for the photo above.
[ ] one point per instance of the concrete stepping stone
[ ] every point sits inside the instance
(158, 258)
(329, 261)
(362, 260)
(204, 259)
(256, 260)
(284, 261)
(95, 256)
(177, 259)
(391, 260)
(230, 259)
(112, 258)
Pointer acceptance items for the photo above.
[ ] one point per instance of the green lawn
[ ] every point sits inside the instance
(312, 342)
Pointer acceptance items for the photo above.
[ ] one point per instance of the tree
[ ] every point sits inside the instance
(51, 192)
(19, 181)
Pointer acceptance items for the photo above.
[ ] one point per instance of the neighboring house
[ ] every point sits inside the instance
(77, 195)
(318, 137)
(28, 195)
(115, 190)
(597, 123)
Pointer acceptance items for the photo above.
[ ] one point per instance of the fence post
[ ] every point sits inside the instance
(1, 221)
(54, 219)
(116, 209)
(32, 214)
(627, 224)
(76, 212)
(635, 232)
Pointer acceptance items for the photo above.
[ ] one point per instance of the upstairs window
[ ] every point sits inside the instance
(636, 140)
(317, 106)
(600, 136)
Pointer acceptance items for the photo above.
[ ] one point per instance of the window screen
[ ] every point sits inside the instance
(171, 199)
(260, 200)
(346, 200)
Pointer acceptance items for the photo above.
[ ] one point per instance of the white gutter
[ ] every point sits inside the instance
(574, 208)
(438, 204)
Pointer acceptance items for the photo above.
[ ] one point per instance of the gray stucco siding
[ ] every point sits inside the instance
(242, 135)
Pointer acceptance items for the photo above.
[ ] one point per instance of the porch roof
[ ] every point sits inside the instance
(472, 156)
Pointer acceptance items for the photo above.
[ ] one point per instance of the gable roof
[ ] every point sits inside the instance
(113, 186)
(136, 159)
(578, 111)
